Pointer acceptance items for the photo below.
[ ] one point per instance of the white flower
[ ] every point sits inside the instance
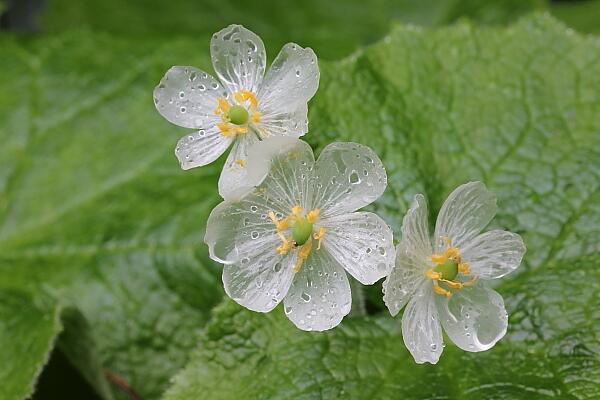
(241, 107)
(293, 233)
(441, 281)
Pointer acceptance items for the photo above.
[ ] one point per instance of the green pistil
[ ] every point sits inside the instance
(449, 270)
(238, 115)
(301, 231)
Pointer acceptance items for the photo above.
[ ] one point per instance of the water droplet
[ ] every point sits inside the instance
(253, 208)
(287, 310)
(182, 109)
(182, 94)
(354, 178)
(254, 235)
(433, 347)
(305, 296)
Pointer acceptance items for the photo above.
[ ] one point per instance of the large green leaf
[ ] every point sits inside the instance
(333, 28)
(518, 108)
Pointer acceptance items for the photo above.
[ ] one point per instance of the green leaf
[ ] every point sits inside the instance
(517, 108)
(332, 28)
(27, 336)
(581, 15)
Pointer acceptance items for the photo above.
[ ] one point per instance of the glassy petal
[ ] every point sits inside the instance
(261, 279)
(319, 297)
(238, 57)
(348, 176)
(187, 96)
(474, 318)
(233, 175)
(494, 254)
(361, 243)
(466, 211)
(421, 328)
(283, 167)
(293, 123)
(291, 81)
(201, 147)
(415, 233)
(403, 280)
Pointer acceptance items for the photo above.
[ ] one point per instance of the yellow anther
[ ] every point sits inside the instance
(431, 274)
(439, 290)
(241, 163)
(285, 247)
(240, 129)
(438, 259)
(242, 96)
(464, 268)
(452, 284)
(280, 224)
(222, 106)
(319, 236)
(225, 129)
(453, 253)
(302, 255)
(313, 215)
(256, 117)
(296, 211)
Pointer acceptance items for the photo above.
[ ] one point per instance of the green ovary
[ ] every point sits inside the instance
(301, 231)
(238, 115)
(449, 270)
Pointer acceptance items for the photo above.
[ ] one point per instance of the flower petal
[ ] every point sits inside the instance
(294, 123)
(233, 175)
(261, 279)
(415, 233)
(292, 80)
(319, 297)
(349, 176)
(466, 211)
(238, 57)
(403, 280)
(283, 168)
(201, 147)
(494, 254)
(474, 318)
(361, 243)
(187, 96)
(421, 328)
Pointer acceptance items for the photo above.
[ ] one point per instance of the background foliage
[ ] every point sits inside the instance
(101, 254)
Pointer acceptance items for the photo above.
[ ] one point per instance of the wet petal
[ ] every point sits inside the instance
(233, 175)
(238, 57)
(201, 147)
(474, 318)
(466, 211)
(283, 168)
(348, 176)
(494, 254)
(261, 279)
(361, 243)
(406, 276)
(319, 297)
(187, 96)
(291, 81)
(421, 328)
(294, 123)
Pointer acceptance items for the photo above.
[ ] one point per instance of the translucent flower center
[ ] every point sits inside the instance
(236, 117)
(300, 237)
(447, 267)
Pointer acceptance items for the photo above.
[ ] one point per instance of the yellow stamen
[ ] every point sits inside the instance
(313, 215)
(319, 236)
(431, 274)
(464, 268)
(453, 254)
(296, 211)
(438, 259)
(243, 95)
(439, 290)
(452, 284)
(302, 255)
(241, 163)
(222, 106)
(280, 224)
(256, 117)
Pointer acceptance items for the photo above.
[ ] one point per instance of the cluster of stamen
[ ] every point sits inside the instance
(447, 267)
(302, 234)
(235, 117)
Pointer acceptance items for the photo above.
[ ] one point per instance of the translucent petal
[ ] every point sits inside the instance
(187, 96)
(291, 81)
(282, 167)
(293, 123)
(201, 147)
(466, 211)
(320, 294)
(361, 243)
(421, 328)
(474, 318)
(261, 279)
(415, 233)
(406, 276)
(233, 175)
(494, 254)
(238, 57)
(348, 176)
